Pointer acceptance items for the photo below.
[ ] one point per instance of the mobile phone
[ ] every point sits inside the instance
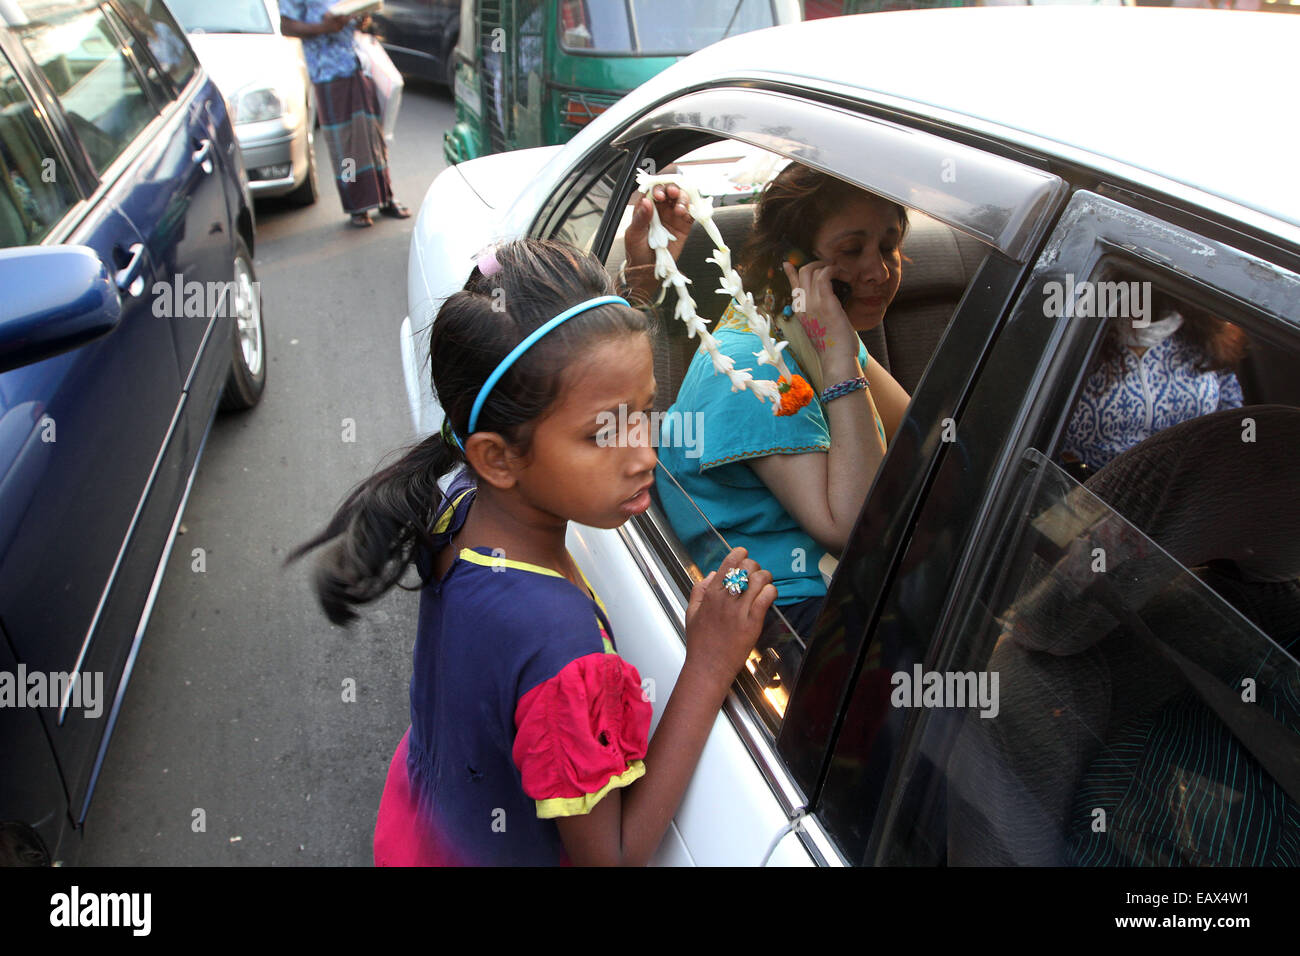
(797, 258)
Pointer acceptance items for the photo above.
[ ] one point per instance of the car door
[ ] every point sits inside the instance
(752, 793)
(99, 459)
(33, 203)
(177, 198)
(1145, 687)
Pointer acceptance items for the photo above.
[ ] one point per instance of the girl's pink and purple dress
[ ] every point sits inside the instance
(522, 711)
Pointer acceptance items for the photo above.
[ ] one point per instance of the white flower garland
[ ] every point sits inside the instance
(701, 209)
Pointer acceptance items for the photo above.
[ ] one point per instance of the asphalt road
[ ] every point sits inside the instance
(235, 745)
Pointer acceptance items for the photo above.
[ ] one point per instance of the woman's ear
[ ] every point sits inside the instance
(489, 454)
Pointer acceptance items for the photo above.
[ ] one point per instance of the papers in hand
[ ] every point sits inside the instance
(356, 8)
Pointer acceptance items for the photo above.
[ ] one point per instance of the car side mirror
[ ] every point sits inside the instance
(56, 298)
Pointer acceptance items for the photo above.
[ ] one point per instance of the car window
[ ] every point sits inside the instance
(1110, 674)
(101, 92)
(582, 208)
(1124, 709)
(152, 21)
(35, 190)
(709, 495)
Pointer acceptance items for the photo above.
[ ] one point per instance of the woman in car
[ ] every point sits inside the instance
(1150, 375)
(788, 487)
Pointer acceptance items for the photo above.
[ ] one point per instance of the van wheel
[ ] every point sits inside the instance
(247, 377)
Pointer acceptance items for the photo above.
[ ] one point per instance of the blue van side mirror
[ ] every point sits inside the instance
(55, 298)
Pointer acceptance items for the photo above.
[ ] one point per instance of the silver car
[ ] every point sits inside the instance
(263, 76)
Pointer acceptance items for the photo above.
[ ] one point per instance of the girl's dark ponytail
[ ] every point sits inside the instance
(379, 526)
(382, 524)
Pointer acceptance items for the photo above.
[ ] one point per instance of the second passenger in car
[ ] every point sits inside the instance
(1149, 375)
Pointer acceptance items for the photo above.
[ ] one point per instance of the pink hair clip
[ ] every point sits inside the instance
(487, 262)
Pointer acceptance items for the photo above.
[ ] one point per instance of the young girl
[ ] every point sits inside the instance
(528, 741)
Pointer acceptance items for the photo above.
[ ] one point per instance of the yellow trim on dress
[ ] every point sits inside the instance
(473, 557)
(495, 562)
(444, 519)
(577, 806)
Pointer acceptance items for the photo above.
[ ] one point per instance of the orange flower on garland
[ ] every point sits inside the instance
(795, 394)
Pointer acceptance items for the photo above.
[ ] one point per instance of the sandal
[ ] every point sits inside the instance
(361, 220)
(395, 210)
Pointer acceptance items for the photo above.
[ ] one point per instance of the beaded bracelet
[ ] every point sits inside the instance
(843, 388)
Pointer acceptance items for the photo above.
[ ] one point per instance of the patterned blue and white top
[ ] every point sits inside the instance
(1162, 387)
(330, 55)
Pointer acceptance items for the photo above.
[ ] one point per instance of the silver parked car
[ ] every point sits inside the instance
(263, 76)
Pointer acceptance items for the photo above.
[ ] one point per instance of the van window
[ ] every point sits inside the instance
(101, 92)
(35, 191)
(151, 20)
(670, 27)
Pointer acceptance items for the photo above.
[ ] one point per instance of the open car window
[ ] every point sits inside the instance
(707, 494)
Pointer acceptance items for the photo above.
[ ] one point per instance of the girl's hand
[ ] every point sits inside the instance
(672, 213)
(823, 317)
(722, 628)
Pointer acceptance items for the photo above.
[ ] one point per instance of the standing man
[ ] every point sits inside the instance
(348, 107)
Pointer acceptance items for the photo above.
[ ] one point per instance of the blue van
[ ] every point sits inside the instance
(129, 311)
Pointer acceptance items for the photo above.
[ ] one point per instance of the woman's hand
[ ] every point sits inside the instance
(823, 316)
(672, 213)
(721, 627)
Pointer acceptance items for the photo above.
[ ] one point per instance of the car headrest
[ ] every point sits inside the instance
(1218, 487)
(940, 261)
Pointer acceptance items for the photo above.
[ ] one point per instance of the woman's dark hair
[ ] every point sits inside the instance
(792, 208)
(1222, 346)
(386, 518)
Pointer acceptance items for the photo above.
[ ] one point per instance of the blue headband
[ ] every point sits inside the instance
(523, 347)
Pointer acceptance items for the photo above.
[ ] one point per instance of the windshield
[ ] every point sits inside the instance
(230, 16)
(656, 26)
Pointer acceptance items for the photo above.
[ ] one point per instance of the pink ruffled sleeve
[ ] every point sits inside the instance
(581, 733)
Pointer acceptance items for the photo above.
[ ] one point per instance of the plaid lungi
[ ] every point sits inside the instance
(350, 120)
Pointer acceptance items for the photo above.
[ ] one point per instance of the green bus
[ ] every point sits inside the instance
(534, 72)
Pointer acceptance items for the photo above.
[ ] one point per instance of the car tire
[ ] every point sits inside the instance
(449, 65)
(309, 191)
(247, 378)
